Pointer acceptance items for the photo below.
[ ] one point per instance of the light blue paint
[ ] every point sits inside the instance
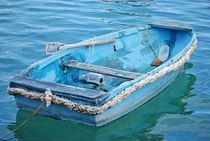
(26, 27)
(135, 100)
(125, 54)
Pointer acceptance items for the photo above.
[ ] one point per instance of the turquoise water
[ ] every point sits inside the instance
(181, 112)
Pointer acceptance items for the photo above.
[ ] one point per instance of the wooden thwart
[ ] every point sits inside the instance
(102, 70)
(172, 25)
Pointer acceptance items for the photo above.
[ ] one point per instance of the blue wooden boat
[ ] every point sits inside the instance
(103, 78)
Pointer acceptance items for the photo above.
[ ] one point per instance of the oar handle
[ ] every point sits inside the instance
(87, 43)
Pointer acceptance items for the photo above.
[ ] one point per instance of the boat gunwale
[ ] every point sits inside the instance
(175, 58)
(62, 53)
(67, 91)
(126, 84)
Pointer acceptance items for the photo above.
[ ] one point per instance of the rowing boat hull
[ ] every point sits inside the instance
(135, 100)
(44, 80)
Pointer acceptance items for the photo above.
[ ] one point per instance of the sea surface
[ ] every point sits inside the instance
(180, 112)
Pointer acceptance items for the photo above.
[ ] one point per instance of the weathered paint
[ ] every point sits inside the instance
(130, 52)
(172, 25)
(92, 97)
(102, 70)
(138, 98)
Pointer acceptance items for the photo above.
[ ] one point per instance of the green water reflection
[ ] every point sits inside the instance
(134, 126)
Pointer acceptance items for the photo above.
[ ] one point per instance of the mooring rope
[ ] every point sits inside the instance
(25, 121)
(93, 110)
(45, 98)
(146, 38)
(90, 52)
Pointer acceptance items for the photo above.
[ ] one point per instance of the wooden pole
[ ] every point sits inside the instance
(87, 43)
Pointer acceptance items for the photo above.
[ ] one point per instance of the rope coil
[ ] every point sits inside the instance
(93, 110)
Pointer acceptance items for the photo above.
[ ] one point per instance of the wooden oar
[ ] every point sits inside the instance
(53, 47)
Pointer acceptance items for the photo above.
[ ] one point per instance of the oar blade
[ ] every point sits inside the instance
(52, 47)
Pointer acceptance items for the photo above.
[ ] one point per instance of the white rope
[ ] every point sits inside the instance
(118, 98)
(25, 121)
(47, 97)
(91, 51)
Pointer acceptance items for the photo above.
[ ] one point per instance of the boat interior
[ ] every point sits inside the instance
(106, 66)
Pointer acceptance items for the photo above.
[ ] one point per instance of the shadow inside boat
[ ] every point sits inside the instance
(134, 126)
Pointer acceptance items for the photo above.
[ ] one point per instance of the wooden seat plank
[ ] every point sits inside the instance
(102, 70)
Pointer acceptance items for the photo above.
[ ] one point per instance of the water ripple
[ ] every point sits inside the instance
(180, 113)
(128, 14)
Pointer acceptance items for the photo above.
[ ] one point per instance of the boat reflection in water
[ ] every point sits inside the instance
(134, 126)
